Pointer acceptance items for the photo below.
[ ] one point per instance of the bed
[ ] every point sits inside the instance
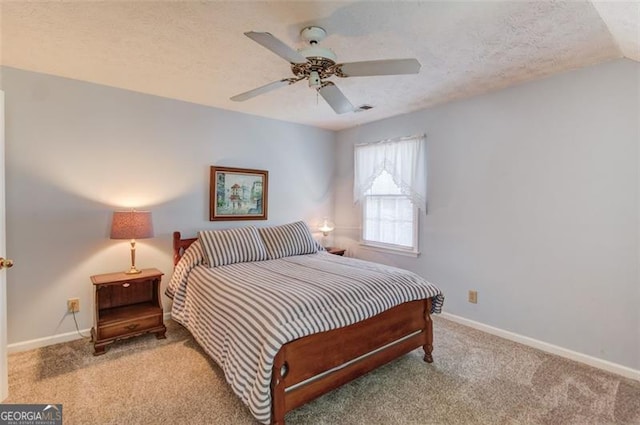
(319, 351)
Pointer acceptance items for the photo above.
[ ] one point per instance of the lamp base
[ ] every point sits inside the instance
(133, 270)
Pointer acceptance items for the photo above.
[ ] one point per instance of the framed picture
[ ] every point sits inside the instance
(238, 194)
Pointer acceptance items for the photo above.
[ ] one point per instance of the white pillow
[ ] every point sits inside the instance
(222, 247)
(288, 239)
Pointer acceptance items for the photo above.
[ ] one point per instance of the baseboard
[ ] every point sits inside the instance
(618, 369)
(43, 342)
(17, 347)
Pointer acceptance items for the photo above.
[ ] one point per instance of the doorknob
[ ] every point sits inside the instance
(5, 263)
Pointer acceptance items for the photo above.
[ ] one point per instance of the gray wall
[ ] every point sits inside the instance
(76, 151)
(533, 202)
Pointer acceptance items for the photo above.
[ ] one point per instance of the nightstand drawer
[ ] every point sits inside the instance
(133, 326)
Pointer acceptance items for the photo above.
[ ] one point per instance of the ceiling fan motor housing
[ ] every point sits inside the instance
(320, 61)
(323, 66)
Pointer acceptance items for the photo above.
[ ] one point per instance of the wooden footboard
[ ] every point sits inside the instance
(309, 367)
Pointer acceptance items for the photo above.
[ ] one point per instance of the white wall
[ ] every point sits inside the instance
(533, 202)
(76, 151)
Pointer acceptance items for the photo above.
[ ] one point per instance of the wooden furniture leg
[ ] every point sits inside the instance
(99, 349)
(428, 346)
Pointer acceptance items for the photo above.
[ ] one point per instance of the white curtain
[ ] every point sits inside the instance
(403, 158)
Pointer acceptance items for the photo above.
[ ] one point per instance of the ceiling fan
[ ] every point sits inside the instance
(316, 64)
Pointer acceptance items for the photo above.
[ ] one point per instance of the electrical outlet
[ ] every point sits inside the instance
(473, 297)
(73, 305)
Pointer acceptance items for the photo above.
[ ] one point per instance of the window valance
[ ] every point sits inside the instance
(403, 158)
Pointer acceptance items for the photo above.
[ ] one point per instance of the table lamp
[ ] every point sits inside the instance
(326, 228)
(132, 225)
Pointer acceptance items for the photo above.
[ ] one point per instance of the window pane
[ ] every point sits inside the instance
(388, 219)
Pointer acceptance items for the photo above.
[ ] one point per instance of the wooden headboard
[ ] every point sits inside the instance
(179, 246)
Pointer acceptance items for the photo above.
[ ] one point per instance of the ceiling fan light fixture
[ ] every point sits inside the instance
(314, 79)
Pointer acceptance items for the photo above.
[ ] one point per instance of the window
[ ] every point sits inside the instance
(388, 217)
(390, 184)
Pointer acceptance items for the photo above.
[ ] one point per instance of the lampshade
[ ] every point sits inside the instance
(326, 227)
(131, 225)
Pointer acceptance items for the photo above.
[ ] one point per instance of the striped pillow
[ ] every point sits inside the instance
(288, 239)
(230, 246)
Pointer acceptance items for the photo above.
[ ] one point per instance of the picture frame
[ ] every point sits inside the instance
(238, 194)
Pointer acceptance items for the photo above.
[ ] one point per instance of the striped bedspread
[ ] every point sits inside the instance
(241, 314)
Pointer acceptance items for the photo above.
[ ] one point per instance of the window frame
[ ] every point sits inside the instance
(401, 158)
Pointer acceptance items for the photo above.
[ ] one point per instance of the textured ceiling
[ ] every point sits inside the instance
(196, 51)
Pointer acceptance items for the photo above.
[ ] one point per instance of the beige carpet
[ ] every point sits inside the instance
(476, 379)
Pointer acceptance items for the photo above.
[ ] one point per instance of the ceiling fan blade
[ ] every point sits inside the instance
(264, 89)
(381, 67)
(335, 98)
(276, 46)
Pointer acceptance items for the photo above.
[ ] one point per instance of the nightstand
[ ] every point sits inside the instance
(334, 250)
(127, 305)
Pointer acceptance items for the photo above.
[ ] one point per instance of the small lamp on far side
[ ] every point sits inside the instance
(326, 228)
(132, 225)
